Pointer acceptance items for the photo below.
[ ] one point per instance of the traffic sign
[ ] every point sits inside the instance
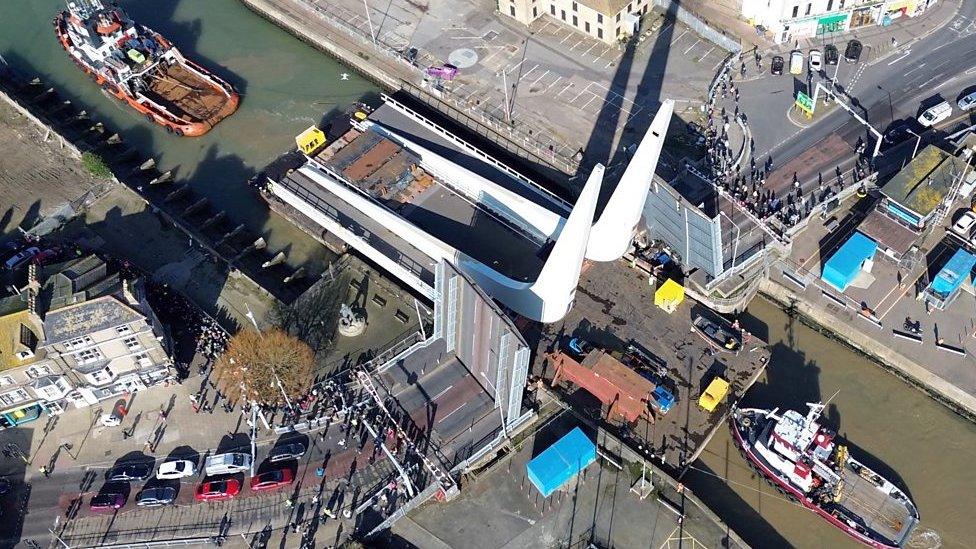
(805, 102)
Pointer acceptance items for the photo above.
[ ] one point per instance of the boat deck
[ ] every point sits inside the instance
(185, 94)
(879, 511)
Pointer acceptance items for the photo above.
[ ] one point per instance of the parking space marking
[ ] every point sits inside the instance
(590, 48)
(720, 61)
(679, 36)
(553, 83)
(565, 38)
(492, 54)
(607, 66)
(691, 46)
(536, 81)
(569, 85)
(702, 58)
(587, 104)
(517, 65)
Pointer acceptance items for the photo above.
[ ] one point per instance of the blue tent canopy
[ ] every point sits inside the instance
(842, 267)
(561, 461)
(955, 272)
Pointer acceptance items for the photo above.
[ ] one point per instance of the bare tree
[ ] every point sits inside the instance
(314, 316)
(261, 366)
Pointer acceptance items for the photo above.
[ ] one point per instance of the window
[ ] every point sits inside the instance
(78, 342)
(618, 17)
(552, 9)
(562, 13)
(122, 330)
(6, 380)
(575, 21)
(644, 10)
(630, 8)
(87, 356)
(39, 370)
(512, 9)
(796, 11)
(599, 19)
(587, 23)
(599, 33)
(809, 7)
(132, 343)
(102, 376)
(143, 359)
(13, 397)
(830, 5)
(535, 11)
(575, 7)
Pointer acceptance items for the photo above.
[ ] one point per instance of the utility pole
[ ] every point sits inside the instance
(369, 21)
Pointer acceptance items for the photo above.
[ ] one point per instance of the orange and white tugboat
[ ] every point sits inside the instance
(801, 459)
(137, 65)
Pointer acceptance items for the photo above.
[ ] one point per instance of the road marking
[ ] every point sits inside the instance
(536, 81)
(920, 65)
(592, 97)
(554, 82)
(702, 58)
(565, 38)
(517, 65)
(440, 394)
(720, 61)
(691, 46)
(679, 36)
(568, 85)
(607, 66)
(573, 47)
(897, 59)
(590, 48)
(929, 81)
(970, 71)
(452, 411)
(528, 72)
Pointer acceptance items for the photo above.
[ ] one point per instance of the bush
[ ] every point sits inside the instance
(95, 165)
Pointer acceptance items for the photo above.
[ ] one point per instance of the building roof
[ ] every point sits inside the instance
(11, 338)
(954, 273)
(606, 7)
(85, 318)
(561, 461)
(925, 181)
(888, 233)
(842, 267)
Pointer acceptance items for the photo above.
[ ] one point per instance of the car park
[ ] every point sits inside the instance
(129, 471)
(816, 61)
(286, 452)
(218, 490)
(178, 468)
(109, 501)
(776, 67)
(155, 497)
(852, 53)
(796, 62)
(271, 479)
(830, 54)
(21, 258)
(965, 225)
(229, 463)
(967, 102)
(935, 114)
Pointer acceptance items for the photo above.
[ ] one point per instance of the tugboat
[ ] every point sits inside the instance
(140, 67)
(802, 460)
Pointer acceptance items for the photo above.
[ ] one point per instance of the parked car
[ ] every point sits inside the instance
(129, 471)
(271, 480)
(897, 132)
(154, 497)
(285, 452)
(967, 102)
(776, 67)
(21, 258)
(229, 463)
(830, 54)
(45, 257)
(218, 490)
(176, 469)
(119, 409)
(796, 62)
(963, 227)
(816, 61)
(935, 114)
(107, 502)
(852, 54)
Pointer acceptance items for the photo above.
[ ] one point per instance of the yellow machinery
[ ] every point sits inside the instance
(714, 394)
(310, 140)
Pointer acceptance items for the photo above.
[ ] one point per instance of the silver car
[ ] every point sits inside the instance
(154, 497)
(967, 102)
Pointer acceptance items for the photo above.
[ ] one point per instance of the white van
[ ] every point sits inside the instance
(796, 62)
(935, 114)
(224, 464)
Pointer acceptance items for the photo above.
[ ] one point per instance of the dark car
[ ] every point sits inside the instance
(853, 51)
(897, 132)
(130, 471)
(218, 490)
(776, 67)
(286, 452)
(154, 497)
(107, 502)
(271, 480)
(830, 54)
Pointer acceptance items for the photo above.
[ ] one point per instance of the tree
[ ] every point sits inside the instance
(258, 366)
(314, 316)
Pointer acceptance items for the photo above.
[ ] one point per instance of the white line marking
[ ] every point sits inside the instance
(569, 85)
(554, 82)
(577, 44)
(679, 36)
(607, 66)
(452, 411)
(536, 81)
(565, 38)
(691, 46)
(897, 59)
(440, 394)
(590, 48)
(970, 71)
(720, 61)
(517, 65)
(528, 72)
(920, 65)
(587, 104)
(707, 52)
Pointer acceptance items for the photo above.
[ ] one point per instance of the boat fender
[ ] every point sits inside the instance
(178, 132)
(169, 129)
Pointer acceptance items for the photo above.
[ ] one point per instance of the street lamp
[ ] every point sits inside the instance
(891, 110)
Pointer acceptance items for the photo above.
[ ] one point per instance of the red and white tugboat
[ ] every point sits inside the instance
(801, 458)
(137, 65)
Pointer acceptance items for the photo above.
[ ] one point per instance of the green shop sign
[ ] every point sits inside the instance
(805, 102)
(833, 23)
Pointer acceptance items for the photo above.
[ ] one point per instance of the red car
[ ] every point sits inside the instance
(271, 480)
(218, 490)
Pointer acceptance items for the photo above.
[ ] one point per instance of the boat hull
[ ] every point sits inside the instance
(169, 122)
(784, 486)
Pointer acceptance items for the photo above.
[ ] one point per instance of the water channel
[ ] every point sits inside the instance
(287, 86)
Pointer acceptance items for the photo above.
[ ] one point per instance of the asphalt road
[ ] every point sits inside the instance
(900, 86)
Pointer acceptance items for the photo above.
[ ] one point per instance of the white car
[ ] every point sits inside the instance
(935, 114)
(176, 469)
(816, 61)
(963, 227)
(967, 102)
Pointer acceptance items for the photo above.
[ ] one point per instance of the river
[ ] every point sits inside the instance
(890, 426)
(285, 86)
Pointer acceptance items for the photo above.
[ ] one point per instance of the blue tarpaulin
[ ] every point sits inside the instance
(561, 461)
(842, 267)
(955, 272)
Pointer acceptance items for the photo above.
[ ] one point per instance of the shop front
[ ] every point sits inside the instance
(832, 24)
(20, 414)
(897, 8)
(800, 28)
(865, 16)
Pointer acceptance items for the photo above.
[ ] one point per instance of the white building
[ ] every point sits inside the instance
(790, 20)
(605, 20)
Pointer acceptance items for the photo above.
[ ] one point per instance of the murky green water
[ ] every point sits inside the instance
(285, 86)
(891, 426)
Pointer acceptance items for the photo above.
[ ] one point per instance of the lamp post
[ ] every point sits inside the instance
(891, 110)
